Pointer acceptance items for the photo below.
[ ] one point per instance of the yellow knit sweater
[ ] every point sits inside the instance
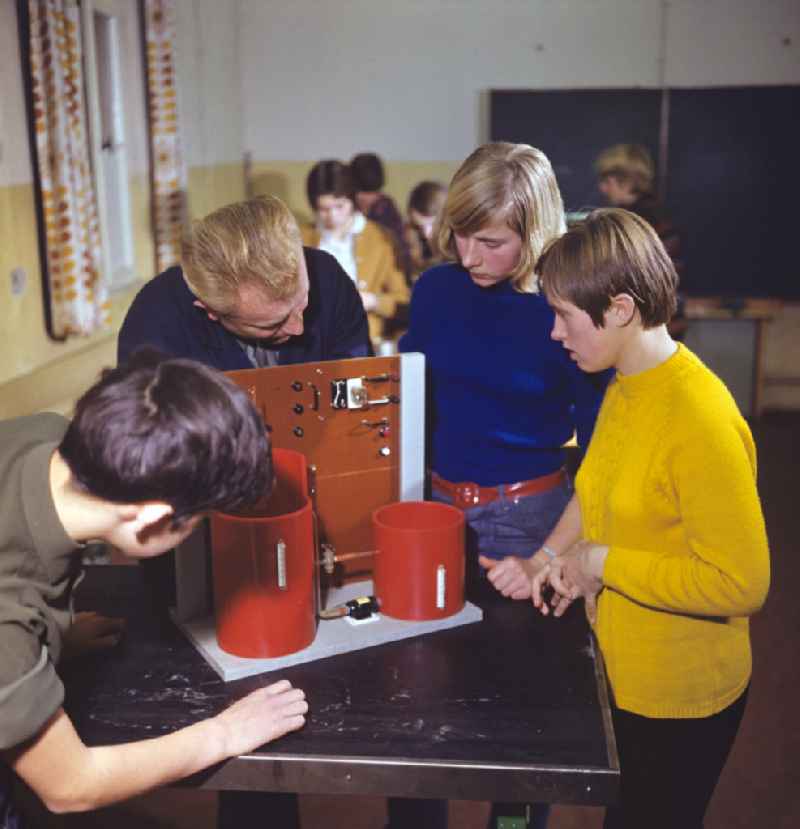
(668, 483)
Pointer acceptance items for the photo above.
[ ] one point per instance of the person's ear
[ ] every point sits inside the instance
(621, 310)
(145, 514)
(211, 315)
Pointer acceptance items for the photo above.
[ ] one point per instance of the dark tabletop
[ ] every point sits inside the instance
(511, 708)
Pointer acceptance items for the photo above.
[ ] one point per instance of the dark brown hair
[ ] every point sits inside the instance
(427, 198)
(611, 252)
(367, 170)
(330, 178)
(161, 429)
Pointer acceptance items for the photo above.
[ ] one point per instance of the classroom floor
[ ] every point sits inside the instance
(761, 782)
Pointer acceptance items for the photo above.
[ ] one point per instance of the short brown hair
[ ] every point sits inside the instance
(172, 430)
(427, 198)
(330, 178)
(250, 242)
(511, 183)
(630, 164)
(367, 172)
(611, 252)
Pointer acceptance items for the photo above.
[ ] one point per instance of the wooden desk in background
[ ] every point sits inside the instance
(752, 314)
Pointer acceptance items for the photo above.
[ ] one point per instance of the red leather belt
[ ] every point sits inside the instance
(467, 494)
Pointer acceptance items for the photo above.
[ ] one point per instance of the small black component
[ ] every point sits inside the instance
(298, 408)
(297, 386)
(298, 431)
(382, 378)
(362, 608)
(315, 400)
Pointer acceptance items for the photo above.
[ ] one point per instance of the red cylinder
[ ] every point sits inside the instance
(264, 569)
(418, 568)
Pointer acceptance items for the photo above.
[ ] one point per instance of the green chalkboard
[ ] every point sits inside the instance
(729, 156)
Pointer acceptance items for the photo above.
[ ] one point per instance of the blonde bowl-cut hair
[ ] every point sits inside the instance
(504, 182)
(253, 242)
(611, 252)
(630, 164)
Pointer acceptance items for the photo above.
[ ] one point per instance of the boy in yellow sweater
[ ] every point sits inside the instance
(664, 538)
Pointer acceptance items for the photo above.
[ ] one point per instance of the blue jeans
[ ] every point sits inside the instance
(512, 527)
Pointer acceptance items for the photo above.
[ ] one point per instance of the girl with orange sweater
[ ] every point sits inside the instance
(664, 538)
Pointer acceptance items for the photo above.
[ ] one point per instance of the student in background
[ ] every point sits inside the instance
(363, 248)
(504, 398)
(377, 206)
(149, 450)
(626, 177)
(425, 203)
(665, 537)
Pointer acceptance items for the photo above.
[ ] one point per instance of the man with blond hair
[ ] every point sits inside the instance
(248, 294)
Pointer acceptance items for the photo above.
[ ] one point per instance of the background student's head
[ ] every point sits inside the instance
(425, 203)
(331, 194)
(625, 173)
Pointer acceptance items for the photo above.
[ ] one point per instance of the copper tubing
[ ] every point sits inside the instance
(350, 556)
(329, 558)
(333, 612)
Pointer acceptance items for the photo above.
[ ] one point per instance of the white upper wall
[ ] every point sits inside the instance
(15, 157)
(733, 42)
(304, 79)
(409, 79)
(209, 81)
(209, 86)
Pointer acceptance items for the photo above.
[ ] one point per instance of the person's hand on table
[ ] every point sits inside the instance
(90, 632)
(262, 716)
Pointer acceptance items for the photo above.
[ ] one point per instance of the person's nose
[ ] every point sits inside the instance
(558, 333)
(470, 257)
(294, 325)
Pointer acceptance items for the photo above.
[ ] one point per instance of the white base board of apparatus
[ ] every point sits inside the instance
(334, 636)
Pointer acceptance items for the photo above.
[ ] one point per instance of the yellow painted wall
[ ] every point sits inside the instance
(287, 180)
(38, 373)
(213, 186)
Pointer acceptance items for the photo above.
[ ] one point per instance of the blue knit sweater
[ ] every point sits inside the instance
(503, 396)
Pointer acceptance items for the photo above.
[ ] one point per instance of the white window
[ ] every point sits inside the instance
(108, 149)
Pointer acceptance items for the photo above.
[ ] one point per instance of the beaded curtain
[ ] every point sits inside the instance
(79, 301)
(168, 172)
